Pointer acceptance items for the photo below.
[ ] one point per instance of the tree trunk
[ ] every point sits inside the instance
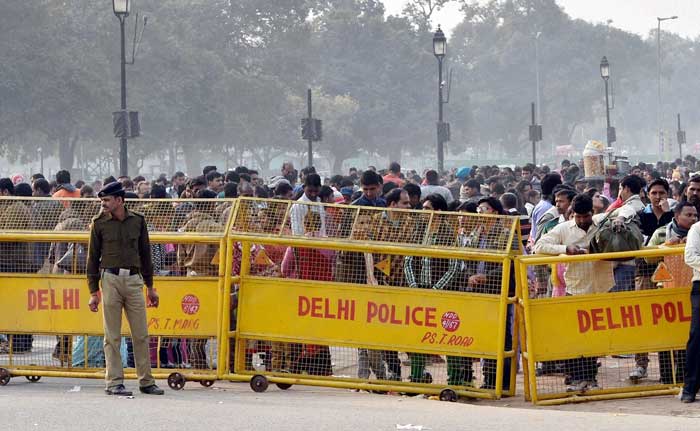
(395, 151)
(66, 152)
(171, 158)
(193, 159)
(570, 135)
(338, 165)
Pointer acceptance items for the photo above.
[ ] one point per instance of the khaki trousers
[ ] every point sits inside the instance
(125, 292)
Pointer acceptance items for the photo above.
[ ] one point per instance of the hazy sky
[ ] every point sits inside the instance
(637, 16)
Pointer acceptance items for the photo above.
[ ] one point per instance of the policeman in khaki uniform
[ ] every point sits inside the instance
(120, 256)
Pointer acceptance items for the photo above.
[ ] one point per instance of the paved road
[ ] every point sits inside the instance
(50, 405)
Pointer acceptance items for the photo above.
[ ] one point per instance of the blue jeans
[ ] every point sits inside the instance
(624, 278)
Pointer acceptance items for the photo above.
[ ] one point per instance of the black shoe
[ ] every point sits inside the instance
(118, 390)
(687, 398)
(152, 390)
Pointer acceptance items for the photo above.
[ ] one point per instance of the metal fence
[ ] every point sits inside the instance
(48, 330)
(371, 299)
(614, 325)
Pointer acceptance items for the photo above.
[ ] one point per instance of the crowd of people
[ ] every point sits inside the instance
(558, 210)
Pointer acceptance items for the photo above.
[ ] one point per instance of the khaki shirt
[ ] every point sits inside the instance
(119, 244)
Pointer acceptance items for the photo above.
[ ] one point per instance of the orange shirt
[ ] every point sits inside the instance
(391, 178)
(63, 193)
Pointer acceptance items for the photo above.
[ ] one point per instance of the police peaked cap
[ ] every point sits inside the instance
(112, 189)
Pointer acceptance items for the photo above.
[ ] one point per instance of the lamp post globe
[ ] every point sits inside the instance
(121, 7)
(604, 68)
(439, 43)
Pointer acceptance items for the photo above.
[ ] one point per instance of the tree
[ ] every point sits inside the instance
(420, 12)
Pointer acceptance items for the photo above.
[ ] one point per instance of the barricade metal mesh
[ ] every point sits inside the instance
(374, 269)
(204, 216)
(626, 319)
(294, 219)
(70, 257)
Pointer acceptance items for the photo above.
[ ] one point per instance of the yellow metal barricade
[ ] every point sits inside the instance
(370, 299)
(591, 344)
(49, 328)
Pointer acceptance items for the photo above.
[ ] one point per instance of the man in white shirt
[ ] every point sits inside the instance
(433, 186)
(582, 278)
(572, 237)
(312, 187)
(692, 366)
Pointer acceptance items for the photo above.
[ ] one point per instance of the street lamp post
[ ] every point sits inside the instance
(680, 136)
(610, 131)
(537, 74)
(658, 74)
(439, 47)
(41, 159)
(121, 10)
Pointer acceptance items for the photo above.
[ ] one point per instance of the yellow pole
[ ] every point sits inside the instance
(223, 362)
(502, 314)
(245, 273)
(532, 376)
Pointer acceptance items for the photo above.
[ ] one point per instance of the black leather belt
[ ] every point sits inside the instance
(115, 271)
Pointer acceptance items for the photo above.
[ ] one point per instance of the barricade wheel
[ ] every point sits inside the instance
(206, 383)
(284, 386)
(33, 379)
(448, 395)
(176, 381)
(4, 377)
(259, 383)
